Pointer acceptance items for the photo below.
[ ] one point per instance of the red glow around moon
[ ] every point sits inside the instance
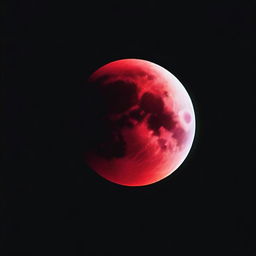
(142, 122)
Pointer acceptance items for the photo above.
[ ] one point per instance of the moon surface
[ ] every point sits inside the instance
(141, 122)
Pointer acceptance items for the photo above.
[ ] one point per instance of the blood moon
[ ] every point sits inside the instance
(140, 122)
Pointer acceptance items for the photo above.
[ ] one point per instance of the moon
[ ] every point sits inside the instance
(141, 122)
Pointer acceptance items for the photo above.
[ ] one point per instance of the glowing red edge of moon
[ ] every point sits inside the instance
(148, 116)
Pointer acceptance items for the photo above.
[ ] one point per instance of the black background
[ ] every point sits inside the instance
(51, 202)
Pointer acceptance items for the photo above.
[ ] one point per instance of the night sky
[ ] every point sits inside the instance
(51, 202)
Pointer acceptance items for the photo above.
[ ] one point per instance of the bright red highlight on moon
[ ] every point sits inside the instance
(142, 120)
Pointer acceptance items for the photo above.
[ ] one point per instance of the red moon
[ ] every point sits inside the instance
(142, 122)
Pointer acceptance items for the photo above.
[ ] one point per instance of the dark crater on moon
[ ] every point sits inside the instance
(119, 96)
(151, 103)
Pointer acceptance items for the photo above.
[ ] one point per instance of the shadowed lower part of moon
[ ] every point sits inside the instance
(139, 122)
